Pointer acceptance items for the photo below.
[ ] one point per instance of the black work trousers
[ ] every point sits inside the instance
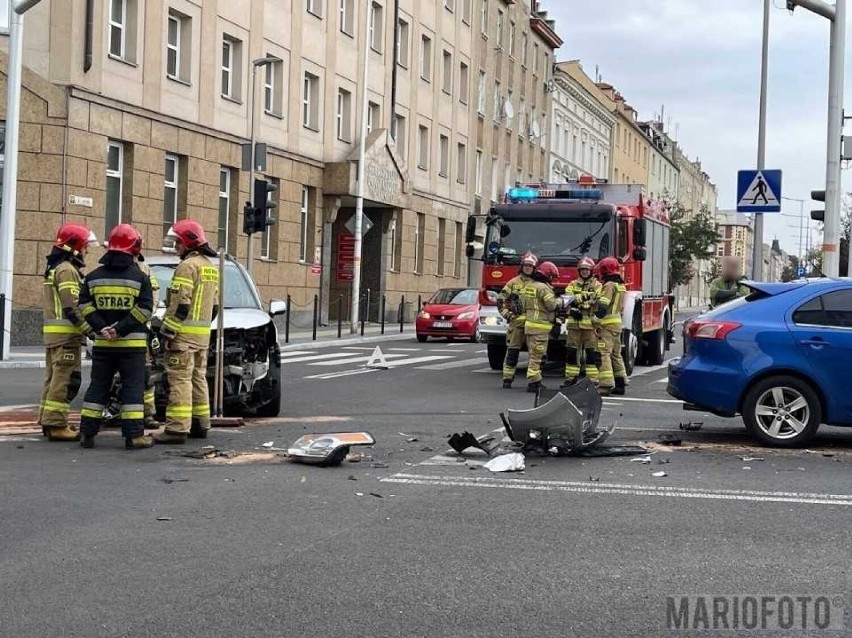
(130, 366)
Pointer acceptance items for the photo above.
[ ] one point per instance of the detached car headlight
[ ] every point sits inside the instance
(467, 315)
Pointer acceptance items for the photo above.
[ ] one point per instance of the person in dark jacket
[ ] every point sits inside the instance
(117, 301)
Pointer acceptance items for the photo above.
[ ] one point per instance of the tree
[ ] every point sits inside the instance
(790, 271)
(693, 237)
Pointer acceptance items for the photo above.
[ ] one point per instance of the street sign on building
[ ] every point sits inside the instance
(759, 191)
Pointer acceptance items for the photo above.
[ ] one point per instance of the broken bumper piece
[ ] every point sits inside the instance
(327, 449)
(566, 424)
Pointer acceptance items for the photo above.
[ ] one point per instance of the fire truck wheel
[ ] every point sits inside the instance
(656, 352)
(632, 342)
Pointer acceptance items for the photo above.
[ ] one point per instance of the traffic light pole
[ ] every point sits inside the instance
(252, 171)
(757, 248)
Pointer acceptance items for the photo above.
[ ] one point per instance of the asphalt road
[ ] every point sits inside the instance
(411, 541)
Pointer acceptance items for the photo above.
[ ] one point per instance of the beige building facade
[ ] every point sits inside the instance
(737, 236)
(143, 120)
(631, 149)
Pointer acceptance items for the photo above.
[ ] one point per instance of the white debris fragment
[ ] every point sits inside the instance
(645, 460)
(268, 444)
(659, 474)
(513, 462)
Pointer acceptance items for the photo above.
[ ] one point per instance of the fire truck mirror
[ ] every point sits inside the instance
(468, 251)
(470, 231)
(639, 232)
(640, 254)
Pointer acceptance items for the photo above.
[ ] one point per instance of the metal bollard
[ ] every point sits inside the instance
(2, 323)
(339, 316)
(367, 307)
(401, 314)
(382, 312)
(363, 311)
(316, 309)
(287, 321)
(419, 303)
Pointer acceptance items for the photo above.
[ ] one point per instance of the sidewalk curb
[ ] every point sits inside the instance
(35, 364)
(344, 341)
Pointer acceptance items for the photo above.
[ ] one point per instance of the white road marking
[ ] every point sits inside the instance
(344, 373)
(405, 349)
(640, 400)
(350, 359)
(296, 353)
(454, 364)
(15, 408)
(408, 362)
(639, 372)
(359, 348)
(582, 487)
(666, 380)
(321, 357)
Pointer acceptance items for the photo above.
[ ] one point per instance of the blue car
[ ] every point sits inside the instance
(779, 357)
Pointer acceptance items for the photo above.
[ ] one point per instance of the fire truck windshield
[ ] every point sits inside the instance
(553, 237)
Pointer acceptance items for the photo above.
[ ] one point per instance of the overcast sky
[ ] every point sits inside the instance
(701, 59)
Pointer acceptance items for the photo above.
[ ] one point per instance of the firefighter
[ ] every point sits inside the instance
(191, 306)
(727, 287)
(150, 408)
(581, 339)
(540, 305)
(511, 305)
(612, 374)
(116, 300)
(64, 330)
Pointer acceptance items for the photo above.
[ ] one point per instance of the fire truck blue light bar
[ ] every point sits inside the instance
(533, 194)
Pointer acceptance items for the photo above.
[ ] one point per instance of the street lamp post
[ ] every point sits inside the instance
(836, 65)
(255, 65)
(757, 249)
(10, 168)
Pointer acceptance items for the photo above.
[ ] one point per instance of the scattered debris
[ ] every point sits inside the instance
(749, 459)
(327, 449)
(352, 478)
(596, 479)
(175, 480)
(379, 465)
(376, 495)
(825, 454)
(746, 467)
(659, 474)
(403, 434)
(164, 518)
(691, 426)
(666, 438)
(359, 493)
(644, 460)
(413, 439)
(612, 450)
(354, 457)
(464, 441)
(427, 449)
(513, 462)
(20, 447)
(207, 452)
(267, 444)
(663, 461)
(304, 479)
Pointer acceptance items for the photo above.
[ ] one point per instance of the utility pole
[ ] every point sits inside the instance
(836, 68)
(10, 169)
(359, 202)
(757, 249)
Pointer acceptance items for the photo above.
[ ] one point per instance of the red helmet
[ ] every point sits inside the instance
(586, 262)
(529, 259)
(188, 232)
(124, 238)
(548, 270)
(609, 266)
(74, 237)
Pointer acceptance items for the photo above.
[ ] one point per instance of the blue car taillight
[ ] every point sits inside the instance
(710, 329)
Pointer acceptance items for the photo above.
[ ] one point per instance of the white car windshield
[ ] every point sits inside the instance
(238, 292)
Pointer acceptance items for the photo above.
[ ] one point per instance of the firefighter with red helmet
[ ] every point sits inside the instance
(581, 348)
(191, 305)
(64, 330)
(540, 305)
(510, 303)
(612, 374)
(117, 301)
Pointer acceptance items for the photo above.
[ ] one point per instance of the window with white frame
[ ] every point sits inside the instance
(498, 103)
(419, 242)
(224, 225)
(400, 133)
(442, 244)
(122, 29)
(444, 156)
(482, 88)
(171, 175)
(477, 173)
(499, 30)
(512, 39)
(310, 101)
(344, 115)
(304, 217)
(178, 46)
(484, 25)
(461, 163)
(396, 242)
(524, 48)
(466, 11)
(426, 57)
(315, 7)
(459, 248)
(231, 68)
(377, 27)
(273, 80)
(423, 147)
(374, 116)
(114, 186)
(447, 72)
(402, 43)
(347, 16)
(464, 83)
(450, 5)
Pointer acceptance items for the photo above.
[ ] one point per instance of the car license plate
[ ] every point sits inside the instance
(442, 324)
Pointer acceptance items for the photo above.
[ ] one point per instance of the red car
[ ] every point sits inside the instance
(452, 313)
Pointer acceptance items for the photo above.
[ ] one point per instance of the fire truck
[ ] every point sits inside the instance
(562, 223)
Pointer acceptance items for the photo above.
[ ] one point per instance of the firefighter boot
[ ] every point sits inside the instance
(620, 388)
(62, 433)
(151, 423)
(170, 438)
(88, 441)
(567, 383)
(196, 431)
(535, 386)
(507, 384)
(139, 442)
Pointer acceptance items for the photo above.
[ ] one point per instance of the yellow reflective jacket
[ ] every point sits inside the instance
(586, 294)
(612, 299)
(190, 301)
(63, 324)
(540, 304)
(516, 285)
(155, 284)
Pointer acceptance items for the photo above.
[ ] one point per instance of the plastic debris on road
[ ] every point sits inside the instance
(691, 426)
(465, 441)
(644, 460)
(659, 474)
(513, 462)
(267, 444)
(327, 449)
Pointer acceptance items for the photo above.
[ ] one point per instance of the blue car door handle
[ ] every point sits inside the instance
(816, 343)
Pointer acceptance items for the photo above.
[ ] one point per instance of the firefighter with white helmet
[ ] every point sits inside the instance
(510, 303)
(581, 350)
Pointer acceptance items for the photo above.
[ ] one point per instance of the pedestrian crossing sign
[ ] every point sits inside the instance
(759, 191)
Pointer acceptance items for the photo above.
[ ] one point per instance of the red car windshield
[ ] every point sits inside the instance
(455, 297)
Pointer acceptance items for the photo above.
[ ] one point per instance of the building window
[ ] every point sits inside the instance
(273, 80)
(461, 163)
(450, 5)
(442, 241)
(478, 174)
(466, 11)
(269, 241)
(480, 98)
(231, 68)
(114, 185)
(499, 28)
(448, 73)
(396, 242)
(171, 176)
(347, 16)
(524, 48)
(344, 115)
(423, 147)
(419, 242)
(464, 83)
(535, 58)
(402, 43)
(399, 133)
(178, 46)
(122, 29)
(224, 208)
(373, 116)
(444, 155)
(315, 7)
(459, 247)
(304, 218)
(498, 103)
(484, 26)
(426, 57)
(377, 22)
(512, 39)
(310, 101)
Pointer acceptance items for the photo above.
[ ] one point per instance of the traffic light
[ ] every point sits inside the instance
(249, 217)
(264, 206)
(818, 215)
